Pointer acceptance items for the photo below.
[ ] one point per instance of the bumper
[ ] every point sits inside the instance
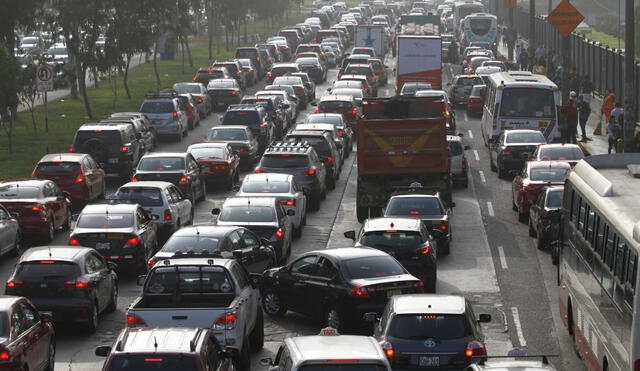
(168, 129)
(34, 224)
(511, 164)
(65, 310)
(215, 177)
(225, 101)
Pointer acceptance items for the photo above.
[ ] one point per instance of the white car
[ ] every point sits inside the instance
(168, 207)
(282, 186)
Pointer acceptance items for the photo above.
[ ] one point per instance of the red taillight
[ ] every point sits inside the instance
(200, 99)
(36, 208)
(354, 111)
(151, 262)
(154, 360)
(184, 180)
(279, 234)
(133, 320)
(330, 160)
(71, 149)
(79, 283)
(233, 92)
(134, 242)
(309, 172)
(14, 284)
(443, 227)
(124, 149)
(80, 179)
(507, 151)
(414, 212)
(175, 115)
(288, 202)
(269, 75)
(387, 347)
(47, 262)
(341, 133)
(475, 349)
(424, 249)
(73, 242)
(317, 110)
(134, 179)
(226, 321)
(464, 163)
(360, 291)
(222, 167)
(258, 171)
(167, 215)
(242, 149)
(5, 355)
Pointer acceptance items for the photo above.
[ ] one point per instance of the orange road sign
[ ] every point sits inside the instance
(565, 18)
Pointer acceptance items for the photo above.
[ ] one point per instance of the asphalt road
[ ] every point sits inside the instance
(493, 262)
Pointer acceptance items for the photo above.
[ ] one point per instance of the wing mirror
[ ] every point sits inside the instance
(265, 242)
(215, 211)
(112, 266)
(483, 318)
(350, 235)
(140, 280)
(103, 351)
(371, 317)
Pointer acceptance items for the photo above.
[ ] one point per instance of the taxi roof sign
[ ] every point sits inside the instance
(565, 18)
(328, 331)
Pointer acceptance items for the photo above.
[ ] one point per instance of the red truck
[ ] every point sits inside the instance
(400, 141)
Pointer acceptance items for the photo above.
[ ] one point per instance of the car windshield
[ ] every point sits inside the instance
(265, 187)
(332, 105)
(221, 84)
(360, 366)
(424, 326)
(145, 196)
(543, 174)
(58, 168)
(529, 137)
(247, 213)
(320, 119)
(527, 102)
(284, 161)
(152, 362)
(35, 271)
(412, 206)
(391, 239)
(189, 279)
(105, 221)
(561, 153)
(374, 266)
(207, 153)
(161, 164)
(318, 143)
(241, 118)
(188, 244)
(157, 107)
(187, 88)
(227, 134)
(554, 199)
(11, 191)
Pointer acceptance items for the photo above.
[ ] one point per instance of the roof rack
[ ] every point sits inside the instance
(299, 147)
(242, 106)
(161, 94)
(516, 355)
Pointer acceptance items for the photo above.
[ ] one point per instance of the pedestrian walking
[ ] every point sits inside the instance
(539, 68)
(608, 104)
(614, 133)
(523, 60)
(617, 113)
(540, 52)
(584, 110)
(571, 113)
(587, 88)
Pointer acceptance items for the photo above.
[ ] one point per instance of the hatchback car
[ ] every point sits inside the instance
(255, 118)
(459, 164)
(219, 163)
(407, 240)
(380, 69)
(308, 83)
(314, 68)
(74, 284)
(281, 69)
(275, 110)
(431, 331)
(299, 88)
(206, 74)
(544, 217)
(460, 87)
(28, 338)
(264, 216)
(224, 92)
(512, 148)
(167, 115)
(241, 140)
(475, 102)
(283, 187)
(250, 69)
(570, 153)
(253, 54)
(40, 206)
(188, 103)
(78, 174)
(369, 90)
(179, 168)
(168, 207)
(235, 70)
(528, 184)
(366, 70)
(336, 119)
(336, 286)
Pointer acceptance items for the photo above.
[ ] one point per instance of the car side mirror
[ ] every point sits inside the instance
(215, 211)
(266, 362)
(466, 147)
(265, 242)
(451, 204)
(46, 317)
(256, 279)
(483, 318)
(236, 188)
(66, 194)
(350, 235)
(291, 212)
(14, 216)
(313, 103)
(237, 254)
(371, 317)
(329, 90)
(103, 351)
(112, 266)
(525, 156)
(141, 279)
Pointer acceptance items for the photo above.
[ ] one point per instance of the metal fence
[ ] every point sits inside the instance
(603, 65)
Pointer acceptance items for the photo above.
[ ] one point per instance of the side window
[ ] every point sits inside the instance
(99, 262)
(30, 315)
(284, 361)
(326, 269)
(250, 241)
(17, 322)
(621, 253)
(3, 214)
(235, 241)
(47, 190)
(306, 265)
(609, 248)
(241, 275)
(175, 194)
(90, 264)
(141, 216)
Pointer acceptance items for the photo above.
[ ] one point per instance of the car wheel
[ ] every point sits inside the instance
(257, 334)
(51, 358)
(113, 304)
(103, 192)
(192, 215)
(430, 287)
(445, 249)
(178, 137)
(532, 232)
(331, 182)
(362, 212)
(203, 191)
(272, 304)
(92, 321)
(501, 173)
(51, 231)
(18, 247)
(541, 244)
(314, 203)
(333, 319)
(491, 164)
(323, 195)
(67, 223)
(297, 232)
(522, 217)
(242, 361)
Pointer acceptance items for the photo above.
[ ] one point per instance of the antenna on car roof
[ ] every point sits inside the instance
(197, 231)
(49, 247)
(155, 344)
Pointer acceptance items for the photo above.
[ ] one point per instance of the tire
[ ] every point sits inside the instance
(331, 183)
(67, 224)
(532, 232)
(50, 233)
(522, 217)
(491, 164)
(430, 288)
(332, 318)
(297, 232)
(230, 183)
(18, 247)
(92, 321)
(203, 191)
(103, 193)
(113, 305)
(362, 213)
(51, 358)
(257, 334)
(541, 244)
(501, 173)
(323, 195)
(272, 304)
(242, 361)
(178, 137)
(314, 203)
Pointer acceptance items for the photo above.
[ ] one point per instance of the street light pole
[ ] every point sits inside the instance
(532, 30)
(630, 78)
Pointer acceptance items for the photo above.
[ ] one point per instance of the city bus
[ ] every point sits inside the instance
(464, 8)
(598, 259)
(520, 100)
(480, 27)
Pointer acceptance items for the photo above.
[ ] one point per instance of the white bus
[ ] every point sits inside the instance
(479, 27)
(520, 100)
(463, 9)
(598, 261)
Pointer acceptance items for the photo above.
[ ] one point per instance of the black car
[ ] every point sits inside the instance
(326, 149)
(227, 242)
(274, 110)
(337, 119)
(309, 85)
(300, 160)
(241, 140)
(144, 122)
(512, 148)
(122, 233)
(427, 206)
(75, 284)
(178, 168)
(544, 217)
(254, 54)
(224, 92)
(336, 285)
(116, 148)
(274, 53)
(314, 68)
(142, 129)
(407, 240)
(255, 118)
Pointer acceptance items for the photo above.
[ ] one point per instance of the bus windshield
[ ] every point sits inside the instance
(527, 102)
(480, 26)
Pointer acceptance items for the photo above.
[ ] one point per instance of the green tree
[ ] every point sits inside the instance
(14, 14)
(9, 75)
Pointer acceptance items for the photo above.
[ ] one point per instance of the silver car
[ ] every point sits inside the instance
(285, 188)
(168, 207)
(460, 87)
(459, 165)
(10, 237)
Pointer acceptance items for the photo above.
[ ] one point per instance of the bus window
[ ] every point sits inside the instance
(608, 250)
(631, 269)
(582, 215)
(527, 102)
(621, 250)
(575, 206)
(599, 242)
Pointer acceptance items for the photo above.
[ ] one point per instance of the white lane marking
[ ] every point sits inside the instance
(490, 208)
(466, 118)
(503, 258)
(482, 178)
(470, 134)
(476, 155)
(516, 321)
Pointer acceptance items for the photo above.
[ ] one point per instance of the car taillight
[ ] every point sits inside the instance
(14, 284)
(309, 172)
(79, 283)
(134, 179)
(507, 151)
(167, 215)
(151, 262)
(184, 180)
(227, 321)
(424, 249)
(124, 149)
(464, 162)
(200, 99)
(258, 171)
(360, 291)
(443, 227)
(80, 179)
(218, 167)
(71, 149)
(233, 92)
(341, 133)
(132, 242)
(133, 320)
(269, 75)
(317, 110)
(288, 202)
(243, 149)
(73, 242)
(36, 208)
(279, 234)
(5, 355)
(330, 160)
(175, 115)
(387, 347)
(354, 111)
(475, 349)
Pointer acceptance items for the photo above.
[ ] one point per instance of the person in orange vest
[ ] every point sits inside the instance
(607, 106)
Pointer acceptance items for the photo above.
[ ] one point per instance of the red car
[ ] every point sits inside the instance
(475, 102)
(190, 108)
(76, 173)
(39, 205)
(218, 162)
(535, 175)
(344, 104)
(570, 153)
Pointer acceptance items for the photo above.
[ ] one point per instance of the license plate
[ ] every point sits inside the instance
(115, 236)
(113, 160)
(427, 361)
(103, 245)
(390, 293)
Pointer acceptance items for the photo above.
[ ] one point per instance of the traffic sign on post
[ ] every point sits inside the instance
(565, 18)
(44, 78)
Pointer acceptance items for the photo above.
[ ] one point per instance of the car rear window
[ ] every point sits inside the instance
(570, 153)
(392, 240)
(246, 53)
(358, 71)
(157, 107)
(241, 118)
(283, 70)
(371, 267)
(189, 279)
(10, 191)
(423, 326)
(265, 187)
(58, 168)
(318, 143)
(414, 206)
(207, 153)
(455, 147)
(336, 366)
(187, 88)
(548, 174)
(221, 84)
(319, 119)
(228, 134)
(266, 103)
(105, 221)
(145, 196)
(191, 244)
(161, 164)
(247, 213)
(231, 67)
(284, 161)
(532, 137)
(152, 362)
(49, 269)
(335, 105)
(469, 81)
(109, 137)
(554, 199)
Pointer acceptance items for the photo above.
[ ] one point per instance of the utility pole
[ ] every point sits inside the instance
(513, 36)
(532, 30)
(630, 78)
(550, 7)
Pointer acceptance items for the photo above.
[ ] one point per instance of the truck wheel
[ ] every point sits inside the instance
(362, 213)
(242, 361)
(257, 334)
